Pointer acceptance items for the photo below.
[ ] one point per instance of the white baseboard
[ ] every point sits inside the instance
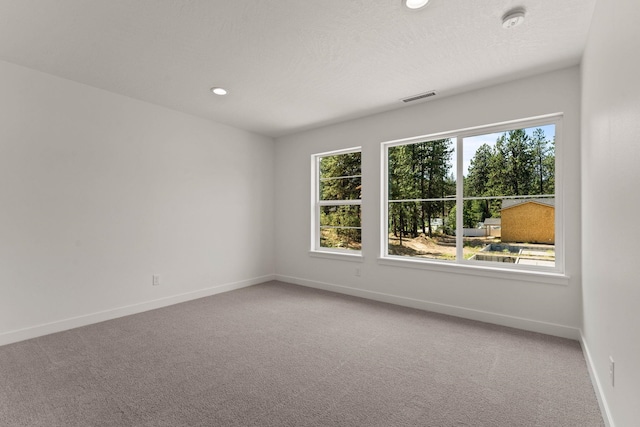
(467, 313)
(101, 316)
(597, 384)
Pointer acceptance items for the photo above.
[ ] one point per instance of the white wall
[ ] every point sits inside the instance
(611, 173)
(544, 307)
(100, 191)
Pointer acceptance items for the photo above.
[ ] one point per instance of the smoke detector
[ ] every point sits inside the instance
(513, 18)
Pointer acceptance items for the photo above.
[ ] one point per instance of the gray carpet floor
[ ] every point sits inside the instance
(282, 355)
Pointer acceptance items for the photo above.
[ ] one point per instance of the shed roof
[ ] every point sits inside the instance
(509, 203)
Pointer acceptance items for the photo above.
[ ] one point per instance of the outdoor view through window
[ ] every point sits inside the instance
(507, 203)
(339, 198)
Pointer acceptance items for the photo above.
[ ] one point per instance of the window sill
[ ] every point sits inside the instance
(342, 256)
(473, 270)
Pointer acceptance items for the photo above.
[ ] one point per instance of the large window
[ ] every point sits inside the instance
(336, 210)
(486, 197)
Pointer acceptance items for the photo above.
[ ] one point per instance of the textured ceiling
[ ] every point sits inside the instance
(289, 65)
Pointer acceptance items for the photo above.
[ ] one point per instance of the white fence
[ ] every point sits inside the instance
(474, 232)
(482, 232)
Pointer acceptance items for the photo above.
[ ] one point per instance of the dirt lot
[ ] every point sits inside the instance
(439, 246)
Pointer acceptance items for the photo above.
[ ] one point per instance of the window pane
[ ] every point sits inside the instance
(340, 177)
(424, 170)
(340, 216)
(340, 227)
(509, 207)
(340, 188)
(345, 238)
(340, 165)
(419, 228)
(422, 229)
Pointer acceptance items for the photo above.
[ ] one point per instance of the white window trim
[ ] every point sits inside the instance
(460, 265)
(316, 250)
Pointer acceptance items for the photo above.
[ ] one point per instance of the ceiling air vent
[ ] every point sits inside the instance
(420, 96)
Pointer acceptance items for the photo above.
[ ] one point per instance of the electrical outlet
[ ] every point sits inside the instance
(612, 371)
(156, 280)
(357, 272)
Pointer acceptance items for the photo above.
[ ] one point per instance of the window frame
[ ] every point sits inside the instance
(554, 274)
(316, 204)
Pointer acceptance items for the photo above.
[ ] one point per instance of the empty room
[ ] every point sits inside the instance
(340, 213)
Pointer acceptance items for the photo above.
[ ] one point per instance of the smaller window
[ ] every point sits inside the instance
(336, 204)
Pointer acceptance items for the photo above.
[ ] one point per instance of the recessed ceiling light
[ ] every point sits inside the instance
(513, 18)
(219, 90)
(415, 4)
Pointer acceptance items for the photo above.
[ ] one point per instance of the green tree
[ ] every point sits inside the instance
(513, 172)
(543, 152)
(478, 179)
